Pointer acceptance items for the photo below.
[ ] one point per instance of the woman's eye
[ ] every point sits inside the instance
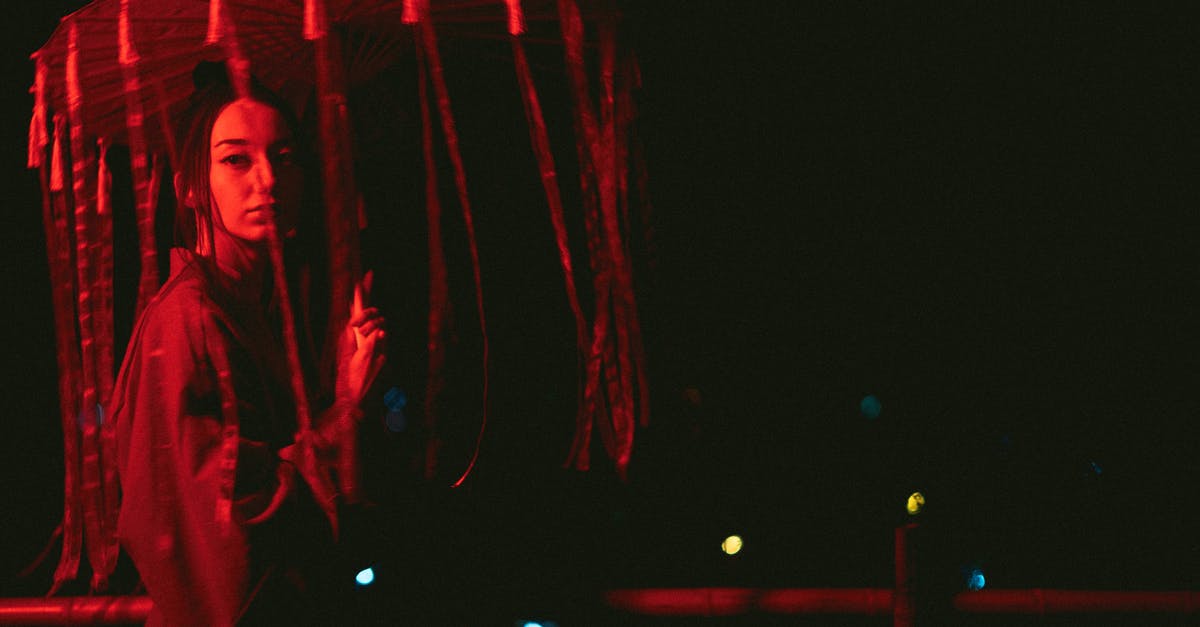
(286, 157)
(236, 160)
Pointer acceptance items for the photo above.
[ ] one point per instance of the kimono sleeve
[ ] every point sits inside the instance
(170, 438)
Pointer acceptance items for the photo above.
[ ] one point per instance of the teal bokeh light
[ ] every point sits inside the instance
(870, 406)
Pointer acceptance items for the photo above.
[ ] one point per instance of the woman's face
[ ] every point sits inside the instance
(254, 174)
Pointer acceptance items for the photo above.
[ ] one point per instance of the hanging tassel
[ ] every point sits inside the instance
(572, 31)
(82, 163)
(57, 181)
(579, 455)
(339, 194)
(315, 20)
(516, 18)
(429, 39)
(306, 458)
(109, 484)
(545, 158)
(103, 180)
(342, 214)
(540, 141)
(597, 147)
(58, 251)
(146, 186)
(37, 122)
(222, 30)
(414, 11)
(623, 307)
(215, 26)
(126, 54)
(628, 79)
(585, 131)
(103, 246)
(145, 198)
(612, 428)
(439, 300)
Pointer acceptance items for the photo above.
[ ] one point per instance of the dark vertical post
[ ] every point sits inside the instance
(903, 606)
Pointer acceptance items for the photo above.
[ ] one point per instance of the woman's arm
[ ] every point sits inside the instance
(172, 437)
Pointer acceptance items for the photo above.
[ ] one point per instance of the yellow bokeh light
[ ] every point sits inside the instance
(916, 503)
(732, 545)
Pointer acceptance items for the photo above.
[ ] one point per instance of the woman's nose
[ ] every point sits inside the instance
(264, 176)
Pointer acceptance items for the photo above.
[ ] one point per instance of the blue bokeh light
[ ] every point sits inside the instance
(365, 577)
(976, 580)
(395, 399)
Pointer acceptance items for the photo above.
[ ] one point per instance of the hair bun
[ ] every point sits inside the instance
(209, 73)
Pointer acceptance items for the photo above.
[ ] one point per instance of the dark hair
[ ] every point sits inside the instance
(213, 92)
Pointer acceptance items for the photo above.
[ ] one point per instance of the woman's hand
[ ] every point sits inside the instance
(361, 348)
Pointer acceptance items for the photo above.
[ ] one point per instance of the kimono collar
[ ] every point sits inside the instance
(225, 284)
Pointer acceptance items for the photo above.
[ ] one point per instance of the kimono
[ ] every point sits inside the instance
(210, 511)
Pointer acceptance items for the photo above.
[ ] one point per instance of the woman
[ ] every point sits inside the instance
(217, 507)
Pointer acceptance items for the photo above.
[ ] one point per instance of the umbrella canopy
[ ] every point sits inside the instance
(166, 39)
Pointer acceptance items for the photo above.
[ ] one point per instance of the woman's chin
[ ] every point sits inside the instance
(251, 239)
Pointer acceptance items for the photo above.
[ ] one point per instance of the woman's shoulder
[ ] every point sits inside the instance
(182, 304)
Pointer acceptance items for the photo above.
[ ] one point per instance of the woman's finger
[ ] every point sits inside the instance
(364, 315)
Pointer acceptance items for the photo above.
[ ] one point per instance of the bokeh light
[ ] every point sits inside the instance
(870, 406)
(395, 399)
(365, 577)
(976, 580)
(916, 503)
(732, 545)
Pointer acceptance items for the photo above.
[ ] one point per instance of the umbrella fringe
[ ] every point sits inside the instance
(88, 271)
(437, 78)
(316, 20)
(37, 122)
(107, 436)
(55, 219)
(603, 157)
(343, 219)
(145, 192)
(516, 17)
(439, 302)
(540, 141)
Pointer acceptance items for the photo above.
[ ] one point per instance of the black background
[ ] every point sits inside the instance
(979, 215)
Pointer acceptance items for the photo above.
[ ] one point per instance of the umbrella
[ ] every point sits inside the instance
(169, 38)
(120, 70)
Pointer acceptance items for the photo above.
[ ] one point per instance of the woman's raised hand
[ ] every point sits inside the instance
(361, 349)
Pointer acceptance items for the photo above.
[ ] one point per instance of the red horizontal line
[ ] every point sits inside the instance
(701, 602)
(1049, 601)
(878, 601)
(74, 610)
